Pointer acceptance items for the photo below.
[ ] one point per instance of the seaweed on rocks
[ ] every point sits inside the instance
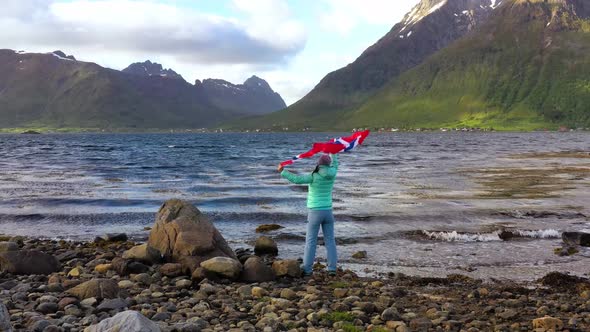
(564, 281)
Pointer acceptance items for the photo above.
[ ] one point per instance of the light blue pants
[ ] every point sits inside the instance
(315, 219)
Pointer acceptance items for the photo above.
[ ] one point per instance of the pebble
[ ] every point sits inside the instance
(398, 303)
(126, 284)
(259, 292)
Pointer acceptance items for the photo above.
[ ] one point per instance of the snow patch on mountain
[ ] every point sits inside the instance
(60, 57)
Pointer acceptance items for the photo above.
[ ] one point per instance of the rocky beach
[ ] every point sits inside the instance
(187, 278)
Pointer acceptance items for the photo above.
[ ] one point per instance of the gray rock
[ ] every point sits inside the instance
(72, 310)
(265, 245)
(508, 314)
(19, 296)
(125, 267)
(111, 237)
(40, 325)
(576, 238)
(256, 271)
(8, 246)
(48, 298)
(98, 288)
(28, 262)
(161, 316)
(390, 314)
(8, 285)
(360, 255)
(128, 321)
(89, 302)
(183, 283)
(47, 308)
(171, 270)
(420, 324)
(52, 328)
(288, 267)
(142, 253)
(244, 291)
(224, 266)
(112, 304)
(4, 319)
(198, 321)
(143, 278)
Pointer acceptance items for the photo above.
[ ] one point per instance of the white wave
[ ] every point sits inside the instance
(538, 234)
(171, 146)
(455, 236)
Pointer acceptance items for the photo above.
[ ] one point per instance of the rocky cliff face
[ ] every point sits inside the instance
(254, 96)
(428, 27)
(149, 68)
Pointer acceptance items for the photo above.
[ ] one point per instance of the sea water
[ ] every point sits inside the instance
(416, 202)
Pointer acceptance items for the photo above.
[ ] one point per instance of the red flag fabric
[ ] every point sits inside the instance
(334, 146)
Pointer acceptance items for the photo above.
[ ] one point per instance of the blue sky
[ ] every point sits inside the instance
(292, 44)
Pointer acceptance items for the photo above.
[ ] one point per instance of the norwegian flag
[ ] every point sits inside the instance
(336, 145)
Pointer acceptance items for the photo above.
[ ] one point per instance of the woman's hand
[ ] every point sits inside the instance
(280, 168)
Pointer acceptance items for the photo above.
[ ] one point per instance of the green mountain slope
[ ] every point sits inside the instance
(527, 68)
(45, 90)
(430, 26)
(55, 91)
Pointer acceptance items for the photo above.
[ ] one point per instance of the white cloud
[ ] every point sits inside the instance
(342, 16)
(151, 27)
(273, 20)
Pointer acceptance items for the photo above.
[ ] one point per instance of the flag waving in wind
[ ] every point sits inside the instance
(334, 146)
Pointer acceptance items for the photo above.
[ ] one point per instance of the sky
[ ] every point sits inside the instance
(292, 44)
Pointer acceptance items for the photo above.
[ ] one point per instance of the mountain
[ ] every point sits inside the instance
(149, 68)
(428, 27)
(526, 68)
(513, 65)
(255, 96)
(55, 90)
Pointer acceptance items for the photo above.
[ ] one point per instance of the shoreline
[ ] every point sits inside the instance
(347, 302)
(48, 130)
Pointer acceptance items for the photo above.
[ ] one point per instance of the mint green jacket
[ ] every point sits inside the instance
(319, 195)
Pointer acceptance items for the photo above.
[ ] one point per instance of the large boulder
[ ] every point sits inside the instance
(182, 231)
(576, 238)
(143, 253)
(128, 321)
(97, 288)
(4, 319)
(28, 262)
(223, 266)
(256, 271)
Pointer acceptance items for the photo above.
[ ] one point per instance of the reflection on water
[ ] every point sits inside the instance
(458, 190)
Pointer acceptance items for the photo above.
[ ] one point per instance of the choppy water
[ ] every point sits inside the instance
(413, 201)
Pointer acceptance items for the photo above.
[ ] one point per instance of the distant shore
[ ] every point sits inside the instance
(50, 130)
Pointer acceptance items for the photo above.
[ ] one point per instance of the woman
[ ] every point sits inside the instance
(319, 202)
